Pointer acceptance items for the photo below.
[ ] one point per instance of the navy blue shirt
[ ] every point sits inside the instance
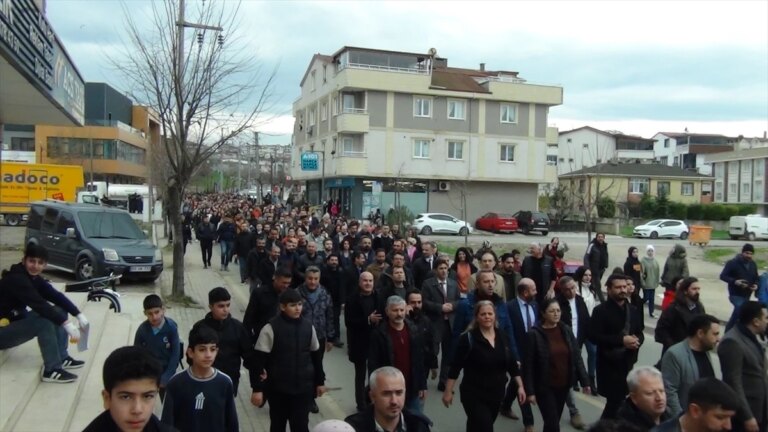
(200, 405)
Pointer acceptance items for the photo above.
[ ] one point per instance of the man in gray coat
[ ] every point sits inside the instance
(440, 295)
(742, 360)
(686, 362)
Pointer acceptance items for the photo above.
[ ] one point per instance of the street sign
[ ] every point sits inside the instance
(309, 161)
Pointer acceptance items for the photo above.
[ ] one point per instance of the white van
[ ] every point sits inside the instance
(751, 227)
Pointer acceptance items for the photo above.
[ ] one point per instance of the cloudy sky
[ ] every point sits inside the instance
(638, 67)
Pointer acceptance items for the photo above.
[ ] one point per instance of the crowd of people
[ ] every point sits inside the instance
(504, 329)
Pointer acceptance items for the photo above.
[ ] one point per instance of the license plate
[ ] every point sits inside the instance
(541, 223)
(140, 269)
(507, 223)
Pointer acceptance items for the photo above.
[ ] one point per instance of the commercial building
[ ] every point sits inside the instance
(740, 177)
(384, 127)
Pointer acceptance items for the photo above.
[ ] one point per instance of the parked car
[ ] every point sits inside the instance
(440, 223)
(528, 221)
(662, 228)
(92, 241)
(752, 227)
(496, 222)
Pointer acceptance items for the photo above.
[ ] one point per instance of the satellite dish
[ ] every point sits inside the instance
(432, 52)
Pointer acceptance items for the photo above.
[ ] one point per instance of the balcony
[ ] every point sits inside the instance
(353, 120)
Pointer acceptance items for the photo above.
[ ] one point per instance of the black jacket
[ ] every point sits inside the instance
(252, 262)
(234, 344)
(333, 281)
(582, 332)
(262, 307)
(19, 290)
(381, 353)
(546, 270)
(673, 323)
(364, 421)
(630, 413)
(536, 364)
(265, 269)
(633, 270)
(356, 313)
(597, 257)
(206, 232)
(422, 270)
(352, 280)
(104, 423)
(243, 242)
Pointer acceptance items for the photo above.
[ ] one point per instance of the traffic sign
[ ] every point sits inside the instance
(309, 161)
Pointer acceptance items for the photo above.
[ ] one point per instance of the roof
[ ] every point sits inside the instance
(755, 153)
(635, 170)
(686, 134)
(318, 56)
(456, 80)
(587, 128)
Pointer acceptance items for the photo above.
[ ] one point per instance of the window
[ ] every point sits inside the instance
(676, 161)
(508, 113)
(335, 105)
(455, 150)
(758, 191)
(66, 220)
(507, 152)
(351, 147)
(561, 160)
(732, 188)
(49, 220)
(324, 111)
(22, 144)
(664, 160)
(666, 142)
(551, 160)
(759, 170)
(455, 109)
(719, 170)
(745, 191)
(421, 148)
(422, 106)
(312, 82)
(570, 160)
(638, 185)
(686, 189)
(662, 188)
(582, 185)
(312, 116)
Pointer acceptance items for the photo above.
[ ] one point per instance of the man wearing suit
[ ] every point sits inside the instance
(440, 296)
(424, 266)
(574, 313)
(353, 272)
(686, 362)
(742, 360)
(524, 314)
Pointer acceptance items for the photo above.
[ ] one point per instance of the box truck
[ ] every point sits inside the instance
(23, 183)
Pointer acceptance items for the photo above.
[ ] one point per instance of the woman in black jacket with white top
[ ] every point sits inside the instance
(553, 364)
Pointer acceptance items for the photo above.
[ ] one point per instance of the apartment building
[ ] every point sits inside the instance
(386, 126)
(586, 147)
(740, 176)
(689, 150)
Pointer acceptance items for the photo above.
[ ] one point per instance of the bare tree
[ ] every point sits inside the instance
(205, 92)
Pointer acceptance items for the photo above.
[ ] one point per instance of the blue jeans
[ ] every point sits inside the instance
(736, 301)
(591, 359)
(51, 338)
(648, 297)
(226, 251)
(415, 404)
(243, 263)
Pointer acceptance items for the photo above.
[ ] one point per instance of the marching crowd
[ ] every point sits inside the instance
(504, 329)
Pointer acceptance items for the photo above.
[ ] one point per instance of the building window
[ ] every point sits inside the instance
(507, 152)
(455, 109)
(421, 148)
(745, 191)
(335, 105)
(582, 185)
(732, 188)
(662, 188)
(312, 116)
(455, 150)
(570, 160)
(686, 189)
(351, 147)
(422, 106)
(561, 160)
(720, 170)
(508, 113)
(664, 160)
(324, 111)
(22, 144)
(758, 191)
(666, 142)
(759, 170)
(638, 185)
(312, 81)
(552, 160)
(676, 161)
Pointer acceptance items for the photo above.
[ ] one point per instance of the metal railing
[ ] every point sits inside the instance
(417, 71)
(348, 110)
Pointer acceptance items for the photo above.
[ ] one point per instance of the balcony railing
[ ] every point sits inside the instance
(351, 110)
(418, 71)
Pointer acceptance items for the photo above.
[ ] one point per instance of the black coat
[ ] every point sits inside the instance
(352, 280)
(583, 317)
(597, 257)
(673, 323)
(265, 269)
(422, 270)
(547, 272)
(243, 242)
(333, 281)
(364, 421)
(518, 324)
(356, 313)
(381, 353)
(630, 413)
(262, 307)
(536, 364)
(234, 345)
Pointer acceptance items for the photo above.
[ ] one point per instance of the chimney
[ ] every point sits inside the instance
(482, 67)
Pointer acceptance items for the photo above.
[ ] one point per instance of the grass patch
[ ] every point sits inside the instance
(721, 255)
(626, 231)
(182, 300)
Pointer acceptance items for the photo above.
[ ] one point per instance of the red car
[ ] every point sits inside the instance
(497, 222)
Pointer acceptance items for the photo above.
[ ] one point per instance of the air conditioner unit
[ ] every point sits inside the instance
(444, 185)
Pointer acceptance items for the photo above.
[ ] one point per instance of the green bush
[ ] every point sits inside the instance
(647, 206)
(694, 211)
(746, 209)
(606, 207)
(662, 206)
(678, 210)
(400, 215)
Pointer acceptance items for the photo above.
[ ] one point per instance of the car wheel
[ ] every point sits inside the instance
(654, 235)
(463, 231)
(684, 235)
(751, 236)
(12, 220)
(84, 270)
(427, 230)
(733, 237)
(544, 233)
(526, 230)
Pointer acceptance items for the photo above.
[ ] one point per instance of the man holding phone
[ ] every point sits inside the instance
(740, 273)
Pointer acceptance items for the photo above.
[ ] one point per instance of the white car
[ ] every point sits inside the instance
(662, 228)
(440, 223)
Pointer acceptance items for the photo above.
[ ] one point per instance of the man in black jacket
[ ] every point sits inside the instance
(206, 233)
(540, 268)
(616, 327)
(424, 266)
(332, 279)
(646, 405)
(575, 315)
(263, 304)
(597, 260)
(266, 267)
(360, 318)
(740, 274)
(672, 326)
(255, 255)
(388, 412)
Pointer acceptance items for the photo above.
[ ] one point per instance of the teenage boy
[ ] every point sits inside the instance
(131, 382)
(289, 351)
(22, 288)
(160, 336)
(234, 341)
(200, 398)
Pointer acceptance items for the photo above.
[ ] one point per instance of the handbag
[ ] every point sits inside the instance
(618, 353)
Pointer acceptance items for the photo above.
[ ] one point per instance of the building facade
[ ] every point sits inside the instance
(689, 150)
(587, 146)
(388, 126)
(740, 177)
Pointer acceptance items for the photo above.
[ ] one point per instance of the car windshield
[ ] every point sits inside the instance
(505, 216)
(654, 222)
(109, 225)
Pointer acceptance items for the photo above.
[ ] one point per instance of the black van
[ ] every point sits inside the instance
(92, 241)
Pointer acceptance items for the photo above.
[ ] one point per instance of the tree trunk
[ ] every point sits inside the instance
(175, 194)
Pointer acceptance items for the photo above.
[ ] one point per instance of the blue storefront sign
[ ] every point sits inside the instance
(309, 161)
(346, 182)
(28, 43)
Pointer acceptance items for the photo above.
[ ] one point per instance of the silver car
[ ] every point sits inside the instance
(441, 223)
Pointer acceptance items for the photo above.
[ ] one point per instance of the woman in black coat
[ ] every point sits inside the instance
(483, 353)
(553, 364)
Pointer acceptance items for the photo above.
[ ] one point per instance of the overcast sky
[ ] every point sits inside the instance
(638, 67)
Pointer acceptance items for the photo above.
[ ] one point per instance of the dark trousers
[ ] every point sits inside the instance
(649, 298)
(361, 399)
(612, 383)
(289, 409)
(206, 247)
(525, 408)
(481, 414)
(336, 318)
(551, 402)
(444, 343)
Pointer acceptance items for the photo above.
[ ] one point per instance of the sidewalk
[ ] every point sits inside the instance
(197, 283)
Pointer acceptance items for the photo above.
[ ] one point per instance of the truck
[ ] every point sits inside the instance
(124, 196)
(24, 183)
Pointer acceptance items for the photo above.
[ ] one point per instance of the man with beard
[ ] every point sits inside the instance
(255, 256)
(596, 259)
(327, 248)
(441, 297)
(267, 266)
(365, 247)
(290, 260)
(674, 320)
(311, 258)
(616, 328)
(541, 269)
(423, 266)
(379, 265)
(398, 261)
(361, 317)
(273, 237)
(510, 276)
(263, 304)
(332, 278)
(424, 324)
(352, 274)
(384, 240)
(398, 247)
(740, 274)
